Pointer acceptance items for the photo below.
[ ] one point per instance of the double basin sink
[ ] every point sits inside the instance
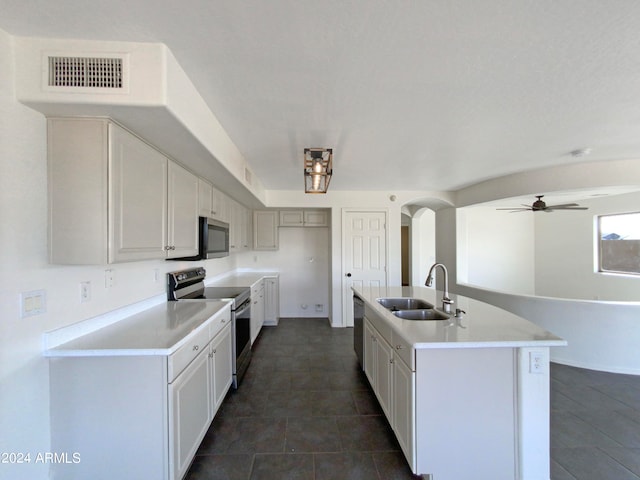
(412, 308)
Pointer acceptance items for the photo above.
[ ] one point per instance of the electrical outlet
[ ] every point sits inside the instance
(109, 278)
(536, 362)
(85, 292)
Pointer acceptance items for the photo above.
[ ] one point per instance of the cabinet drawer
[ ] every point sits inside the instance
(404, 350)
(257, 287)
(221, 320)
(383, 328)
(186, 353)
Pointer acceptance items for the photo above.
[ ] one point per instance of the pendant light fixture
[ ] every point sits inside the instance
(318, 168)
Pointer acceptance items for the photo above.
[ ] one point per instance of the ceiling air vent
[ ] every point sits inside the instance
(86, 72)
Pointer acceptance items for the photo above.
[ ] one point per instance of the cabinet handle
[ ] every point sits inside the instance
(222, 321)
(214, 351)
(391, 361)
(167, 248)
(195, 348)
(398, 347)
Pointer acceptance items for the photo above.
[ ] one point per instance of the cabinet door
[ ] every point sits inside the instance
(315, 218)
(205, 199)
(384, 375)
(244, 228)
(190, 413)
(265, 230)
(222, 370)
(257, 309)
(183, 212)
(369, 344)
(271, 303)
(77, 151)
(291, 218)
(138, 198)
(220, 206)
(234, 226)
(404, 408)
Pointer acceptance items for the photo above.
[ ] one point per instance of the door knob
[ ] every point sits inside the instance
(348, 275)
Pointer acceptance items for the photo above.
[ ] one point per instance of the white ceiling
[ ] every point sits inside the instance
(411, 95)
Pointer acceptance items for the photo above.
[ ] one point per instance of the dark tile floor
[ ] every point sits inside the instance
(595, 425)
(305, 411)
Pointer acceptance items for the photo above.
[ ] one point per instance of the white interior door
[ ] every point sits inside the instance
(364, 254)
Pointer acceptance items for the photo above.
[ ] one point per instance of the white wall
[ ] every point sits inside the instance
(338, 201)
(495, 249)
(303, 263)
(423, 244)
(566, 243)
(24, 382)
(600, 335)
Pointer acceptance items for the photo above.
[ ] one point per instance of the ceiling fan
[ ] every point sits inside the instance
(541, 206)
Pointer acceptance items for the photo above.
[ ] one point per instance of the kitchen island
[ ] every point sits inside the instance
(467, 397)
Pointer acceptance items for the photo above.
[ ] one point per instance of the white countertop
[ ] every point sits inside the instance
(159, 330)
(483, 325)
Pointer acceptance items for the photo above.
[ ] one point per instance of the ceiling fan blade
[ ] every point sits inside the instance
(563, 205)
(516, 209)
(560, 207)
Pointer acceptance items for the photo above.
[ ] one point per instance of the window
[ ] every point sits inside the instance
(619, 243)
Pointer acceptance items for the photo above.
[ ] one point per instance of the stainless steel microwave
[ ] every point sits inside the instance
(213, 239)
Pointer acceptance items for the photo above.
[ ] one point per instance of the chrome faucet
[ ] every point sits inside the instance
(446, 301)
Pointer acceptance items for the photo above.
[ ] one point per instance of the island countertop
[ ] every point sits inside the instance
(483, 325)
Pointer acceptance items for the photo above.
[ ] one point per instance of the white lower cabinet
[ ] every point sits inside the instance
(394, 385)
(139, 416)
(257, 309)
(403, 408)
(190, 412)
(220, 355)
(271, 300)
(384, 375)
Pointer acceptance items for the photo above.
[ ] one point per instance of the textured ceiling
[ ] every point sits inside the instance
(414, 95)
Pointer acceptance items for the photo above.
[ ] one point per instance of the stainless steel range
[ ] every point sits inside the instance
(188, 285)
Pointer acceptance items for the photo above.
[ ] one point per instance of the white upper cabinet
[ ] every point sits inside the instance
(238, 226)
(138, 195)
(304, 218)
(291, 218)
(182, 235)
(114, 198)
(205, 199)
(315, 218)
(265, 230)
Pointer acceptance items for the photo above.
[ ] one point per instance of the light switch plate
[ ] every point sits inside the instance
(33, 303)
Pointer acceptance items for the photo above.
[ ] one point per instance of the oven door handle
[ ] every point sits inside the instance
(243, 308)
